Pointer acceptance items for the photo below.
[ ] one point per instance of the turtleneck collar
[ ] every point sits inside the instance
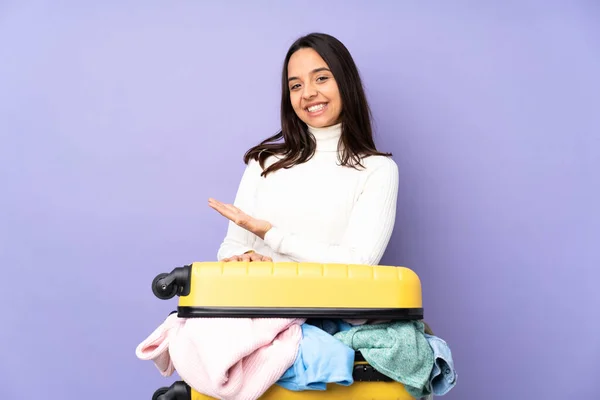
(327, 138)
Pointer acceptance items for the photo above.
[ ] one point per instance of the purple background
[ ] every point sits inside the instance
(119, 120)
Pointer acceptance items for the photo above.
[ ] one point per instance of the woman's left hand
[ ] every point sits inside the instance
(257, 226)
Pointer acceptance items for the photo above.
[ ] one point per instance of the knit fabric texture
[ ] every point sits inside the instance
(399, 350)
(224, 358)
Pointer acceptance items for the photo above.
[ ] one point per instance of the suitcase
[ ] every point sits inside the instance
(296, 290)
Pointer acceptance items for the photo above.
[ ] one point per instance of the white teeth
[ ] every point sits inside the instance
(316, 108)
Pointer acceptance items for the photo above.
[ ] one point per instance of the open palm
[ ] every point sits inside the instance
(240, 218)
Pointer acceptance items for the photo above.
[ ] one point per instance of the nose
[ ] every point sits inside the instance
(309, 91)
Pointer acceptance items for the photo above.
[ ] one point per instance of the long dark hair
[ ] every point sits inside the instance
(298, 145)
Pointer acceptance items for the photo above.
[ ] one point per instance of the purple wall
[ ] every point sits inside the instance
(118, 121)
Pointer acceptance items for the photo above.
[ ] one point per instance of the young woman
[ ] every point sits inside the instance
(324, 193)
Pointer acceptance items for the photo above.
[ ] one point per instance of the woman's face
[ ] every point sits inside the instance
(314, 92)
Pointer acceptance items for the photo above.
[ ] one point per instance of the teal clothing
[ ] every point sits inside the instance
(399, 350)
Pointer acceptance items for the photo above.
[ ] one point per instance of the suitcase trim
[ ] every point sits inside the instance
(282, 312)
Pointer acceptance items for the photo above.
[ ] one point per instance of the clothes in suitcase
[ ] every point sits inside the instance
(296, 290)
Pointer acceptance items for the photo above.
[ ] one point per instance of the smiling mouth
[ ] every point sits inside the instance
(316, 107)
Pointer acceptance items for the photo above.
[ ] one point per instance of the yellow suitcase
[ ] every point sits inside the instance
(301, 290)
(357, 391)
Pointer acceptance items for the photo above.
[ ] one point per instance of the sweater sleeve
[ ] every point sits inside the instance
(367, 234)
(238, 240)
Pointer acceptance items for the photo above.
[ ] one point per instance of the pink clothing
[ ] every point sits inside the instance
(155, 347)
(224, 358)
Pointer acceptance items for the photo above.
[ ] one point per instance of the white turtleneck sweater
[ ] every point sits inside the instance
(320, 211)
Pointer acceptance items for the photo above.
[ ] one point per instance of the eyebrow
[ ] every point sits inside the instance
(314, 71)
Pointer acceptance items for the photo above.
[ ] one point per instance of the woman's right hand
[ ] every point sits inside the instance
(248, 257)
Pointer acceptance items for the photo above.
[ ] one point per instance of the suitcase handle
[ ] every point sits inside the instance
(177, 282)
